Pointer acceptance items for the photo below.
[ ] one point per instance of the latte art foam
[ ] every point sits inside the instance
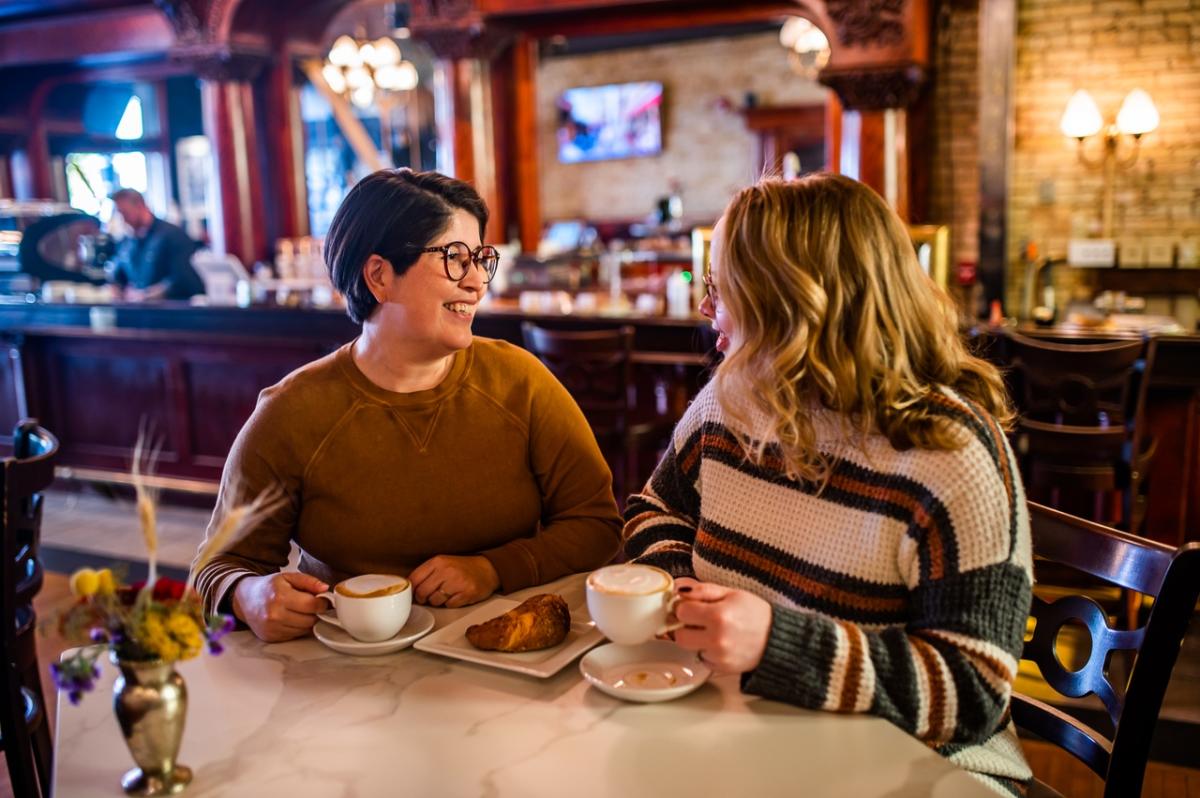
(634, 580)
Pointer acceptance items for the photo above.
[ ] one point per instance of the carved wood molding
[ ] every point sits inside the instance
(222, 62)
(188, 18)
(871, 22)
(876, 89)
(455, 29)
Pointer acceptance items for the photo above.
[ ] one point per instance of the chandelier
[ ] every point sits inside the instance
(808, 49)
(359, 70)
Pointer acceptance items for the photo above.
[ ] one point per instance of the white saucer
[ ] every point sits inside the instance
(655, 671)
(420, 621)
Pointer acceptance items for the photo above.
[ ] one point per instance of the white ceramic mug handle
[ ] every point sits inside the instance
(327, 615)
(671, 627)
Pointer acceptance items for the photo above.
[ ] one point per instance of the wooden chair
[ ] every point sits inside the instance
(1172, 577)
(596, 367)
(24, 725)
(1079, 436)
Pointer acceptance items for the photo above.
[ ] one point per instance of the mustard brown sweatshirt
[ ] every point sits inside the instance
(497, 460)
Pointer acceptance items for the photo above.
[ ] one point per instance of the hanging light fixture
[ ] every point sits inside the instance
(808, 48)
(361, 70)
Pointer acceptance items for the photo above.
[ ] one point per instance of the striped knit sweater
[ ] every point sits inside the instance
(901, 590)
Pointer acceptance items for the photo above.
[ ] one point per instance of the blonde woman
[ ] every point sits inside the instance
(840, 505)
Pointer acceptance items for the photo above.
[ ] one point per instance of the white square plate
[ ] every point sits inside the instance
(451, 641)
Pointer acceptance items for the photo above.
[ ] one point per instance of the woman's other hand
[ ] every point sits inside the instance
(446, 581)
(726, 626)
(280, 606)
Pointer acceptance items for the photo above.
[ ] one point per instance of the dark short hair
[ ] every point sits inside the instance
(131, 194)
(393, 213)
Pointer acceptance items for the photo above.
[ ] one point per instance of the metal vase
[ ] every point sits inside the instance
(150, 700)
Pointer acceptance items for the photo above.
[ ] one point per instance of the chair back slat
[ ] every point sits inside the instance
(1051, 723)
(1172, 577)
(28, 749)
(1079, 384)
(595, 367)
(1124, 560)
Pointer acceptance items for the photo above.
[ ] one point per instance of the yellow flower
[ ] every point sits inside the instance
(106, 585)
(186, 634)
(171, 636)
(85, 582)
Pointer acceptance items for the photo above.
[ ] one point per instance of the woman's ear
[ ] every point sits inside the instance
(377, 273)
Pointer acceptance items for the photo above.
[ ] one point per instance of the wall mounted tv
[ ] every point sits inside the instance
(621, 120)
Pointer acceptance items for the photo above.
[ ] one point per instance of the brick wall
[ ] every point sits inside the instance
(706, 147)
(955, 180)
(1107, 47)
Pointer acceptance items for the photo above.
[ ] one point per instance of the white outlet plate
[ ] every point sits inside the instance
(1091, 253)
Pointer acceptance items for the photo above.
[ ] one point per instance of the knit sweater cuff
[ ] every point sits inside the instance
(222, 593)
(792, 668)
(515, 566)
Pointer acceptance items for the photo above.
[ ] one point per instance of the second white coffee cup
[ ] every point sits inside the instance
(631, 603)
(371, 607)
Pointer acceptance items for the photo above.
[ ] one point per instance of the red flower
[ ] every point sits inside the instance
(165, 589)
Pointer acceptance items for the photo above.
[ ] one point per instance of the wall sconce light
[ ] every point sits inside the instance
(1081, 120)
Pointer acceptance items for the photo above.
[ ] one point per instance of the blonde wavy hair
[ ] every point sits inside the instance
(833, 309)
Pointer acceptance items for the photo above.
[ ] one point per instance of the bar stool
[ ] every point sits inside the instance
(596, 367)
(24, 725)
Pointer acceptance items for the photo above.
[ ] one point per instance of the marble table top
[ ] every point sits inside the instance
(298, 719)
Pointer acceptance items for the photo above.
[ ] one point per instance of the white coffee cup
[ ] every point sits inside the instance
(631, 603)
(371, 607)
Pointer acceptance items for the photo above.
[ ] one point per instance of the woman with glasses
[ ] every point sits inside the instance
(840, 503)
(415, 449)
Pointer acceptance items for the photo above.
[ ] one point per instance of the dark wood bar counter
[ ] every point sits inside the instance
(194, 373)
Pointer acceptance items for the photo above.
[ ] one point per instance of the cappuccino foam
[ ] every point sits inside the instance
(630, 580)
(372, 586)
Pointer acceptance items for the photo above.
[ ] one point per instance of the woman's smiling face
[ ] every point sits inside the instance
(424, 305)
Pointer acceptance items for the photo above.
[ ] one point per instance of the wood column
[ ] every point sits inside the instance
(38, 149)
(229, 125)
(283, 133)
(458, 76)
(997, 53)
(526, 186)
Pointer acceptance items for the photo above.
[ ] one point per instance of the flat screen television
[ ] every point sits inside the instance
(620, 120)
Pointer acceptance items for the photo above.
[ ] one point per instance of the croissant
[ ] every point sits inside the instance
(540, 621)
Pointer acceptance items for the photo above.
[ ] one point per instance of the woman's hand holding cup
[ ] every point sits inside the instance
(726, 626)
(280, 606)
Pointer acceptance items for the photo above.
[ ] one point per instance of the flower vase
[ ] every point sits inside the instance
(150, 701)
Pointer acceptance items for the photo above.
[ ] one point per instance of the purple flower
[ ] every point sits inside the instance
(218, 626)
(75, 676)
(98, 635)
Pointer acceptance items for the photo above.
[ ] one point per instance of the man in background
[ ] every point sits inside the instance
(155, 261)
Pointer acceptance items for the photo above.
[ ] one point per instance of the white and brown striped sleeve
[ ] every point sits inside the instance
(946, 675)
(661, 521)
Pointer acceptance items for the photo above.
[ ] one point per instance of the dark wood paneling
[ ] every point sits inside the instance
(226, 388)
(81, 379)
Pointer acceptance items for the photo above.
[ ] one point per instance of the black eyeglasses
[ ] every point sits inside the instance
(457, 258)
